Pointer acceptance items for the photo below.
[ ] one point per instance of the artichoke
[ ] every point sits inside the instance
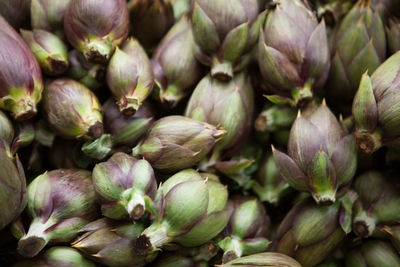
(57, 256)
(96, 27)
(49, 15)
(110, 243)
(293, 53)
(49, 50)
(263, 259)
(130, 76)
(247, 230)
(16, 12)
(172, 57)
(193, 211)
(309, 232)
(359, 45)
(378, 203)
(12, 188)
(176, 142)
(60, 202)
(376, 105)
(393, 35)
(123, 184)
(373, 253)
(72, 110)
(156, 15)
(20, 76)
(224, 32)
(229, 104)
(322, 156)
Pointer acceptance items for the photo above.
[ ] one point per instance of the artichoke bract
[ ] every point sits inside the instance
(309, 232)
(122, 184)
(89, 74)
(49, 50)
(12, 188)
(130, 76)
(224, 32)
(229, 104)
(373, 253)
(16, 12)
(247, 230)
(49, 15)
(6, 132)
(322, 156)
(60, 203)
(192, 212)
(21, 83)
(293, 53)
(378, 203)
(96, 27)
(359, 45)
(393, 35)
(176, 142)
(376, 107)
(72, 110)
(263, 259)
(269, 184)
(173, 57)
(110, 243)
(57, 256)
(156, 15)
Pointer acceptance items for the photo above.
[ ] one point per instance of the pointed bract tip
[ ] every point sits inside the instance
(298, 114)
(324, 101)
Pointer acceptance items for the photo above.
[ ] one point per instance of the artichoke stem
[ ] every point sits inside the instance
(24, 109)
(97, 51)
(234, 252)
(222, 71)
(136, 205)
(151, 239)
(364, 225)
(35, 240)
(369, 142)
(96, 130)
(324, 199)
(171, 96)
(302, 96)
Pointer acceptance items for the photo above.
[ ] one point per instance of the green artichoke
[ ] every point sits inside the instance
(263, 259)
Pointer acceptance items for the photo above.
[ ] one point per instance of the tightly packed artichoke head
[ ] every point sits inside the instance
(200, 133)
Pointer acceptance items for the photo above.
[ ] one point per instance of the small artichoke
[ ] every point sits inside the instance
(176, 142)
(293, 52)
(193, 211)
(21, 83)
(322, 156)
(224, 32)
(60, 203)
(96, 27)
(130, 76)
(72, 110)
(123, 184)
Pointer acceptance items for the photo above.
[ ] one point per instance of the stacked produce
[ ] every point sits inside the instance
(195, 133)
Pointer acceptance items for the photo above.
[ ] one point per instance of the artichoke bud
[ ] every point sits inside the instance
(49, 50)
(247, 229)
(293, 53)
(321, 157)
(157, 15)
(130, 76)
(60, 202)
(393, 35)
(12, 188)
(89, 74)
(373, 253)
(263, 259)
(375, 107)
(16, 12)
(21, 83)
(228, 104)
(270, 185)
(95, 28)
(193, 212)
(224, 36)
(176, 142)
(72, 110)
(309, 232)
(359, 45)
(122, 183)
(57, 256)
(49, 15)
(126, 131)
(378, 202)
(110, 243)
(172, 57)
